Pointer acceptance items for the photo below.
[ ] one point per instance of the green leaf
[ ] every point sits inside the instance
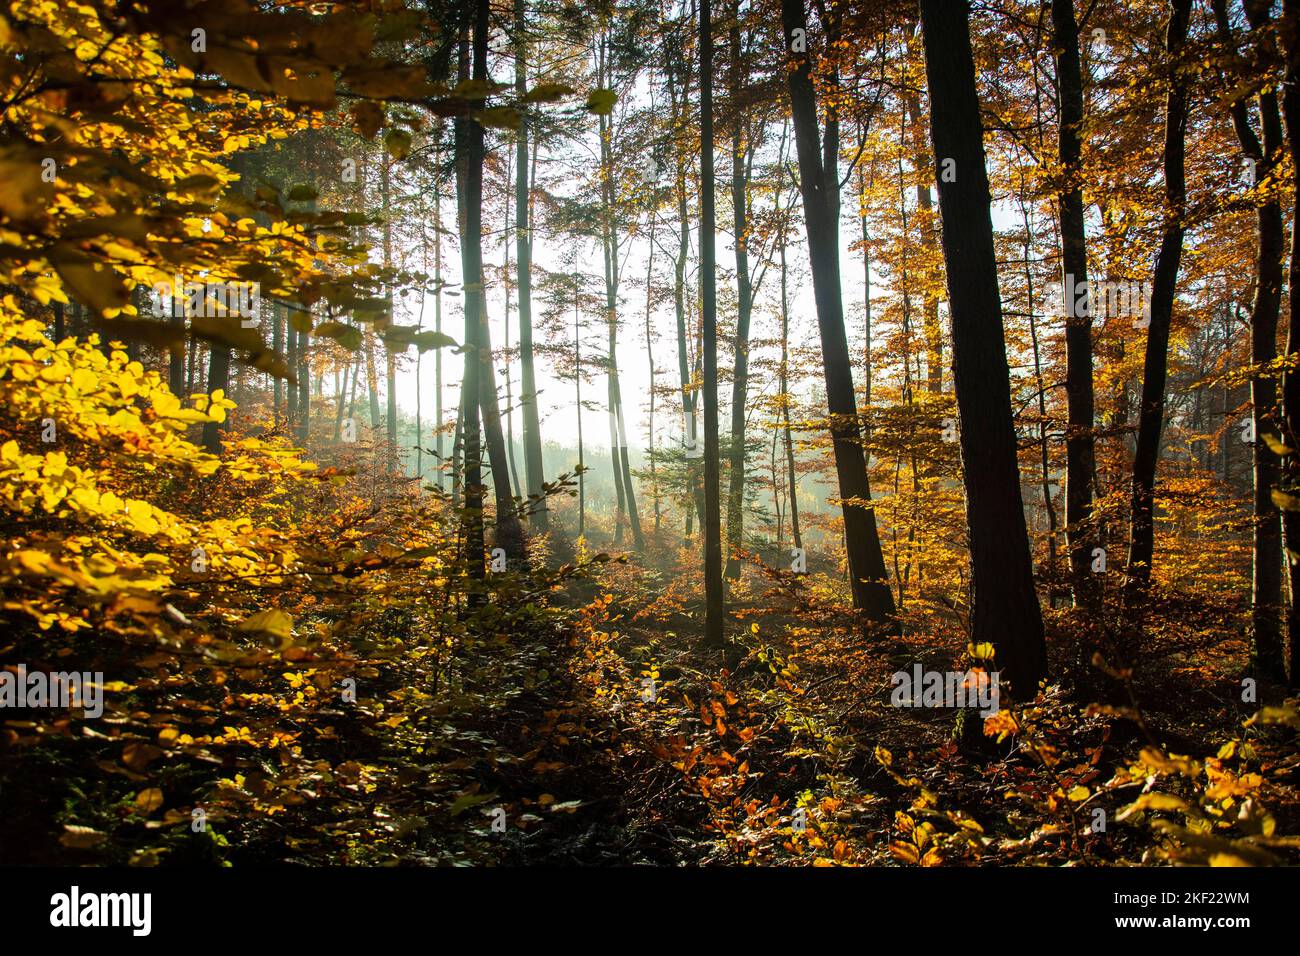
(398, 144)
(601, 102)
(424, 341)
(547, 93)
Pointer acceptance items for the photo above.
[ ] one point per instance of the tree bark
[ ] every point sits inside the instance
(819, 182)
(1266, 551)
(509, 531)
(740, 152)
(533, 470)
(714, 595)
(469, 184)
(1156, 361)
(1005, 610)
(1080, 466)
(1291, 378)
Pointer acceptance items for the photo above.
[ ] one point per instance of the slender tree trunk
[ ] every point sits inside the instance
(1156, 364)
(533, 469)
(469, 188)
(457, 449)
(650, 358)
(930, 243)
(1005, 611)
(689, 410)
(277, 343)
(372, 381)
(176, 358)
(714, 595)
(304, 386)
(1291, 378)
(819, 185)
(291, 360)
(625, 492)
(437, 324)
(740, 151)
(793, 478)
(1266, 598)
(1044, 458)
(577, 385)
(1080, 468)
(509, 532)
(343, 395)
(390, 356)
(505, 325)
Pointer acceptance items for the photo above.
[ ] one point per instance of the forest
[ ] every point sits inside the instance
(675, 433)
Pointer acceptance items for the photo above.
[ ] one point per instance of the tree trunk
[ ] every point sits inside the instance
(303, 372)
(533, 470)
(469, 184)
(437, 324)
(577, 387)
(1291, 378)
(740, 151)
(930, 241)
(509, 532)
(277, 344)
(1080, 467)
(689, 418)
(1156, 362)
(390, 356)
(1266, 591)
(1005, 611)
(714, 596)
(218, 377)
(819, 182)
(291, 361)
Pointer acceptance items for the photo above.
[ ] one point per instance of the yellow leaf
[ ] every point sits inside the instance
(147, 801)
(273, 621)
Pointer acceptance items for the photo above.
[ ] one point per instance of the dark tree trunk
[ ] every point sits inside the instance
(1163, 288)
(1266, 597)
(509, 531)
(929, 229)
(819, 184)
(176, 358)
(740, 151)
(1080, 467)
(1291, 379)
(1005, 610)
(714, 596)
(218, 377)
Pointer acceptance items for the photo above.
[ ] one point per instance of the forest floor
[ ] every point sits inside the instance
(602, 732)
(617, 738)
